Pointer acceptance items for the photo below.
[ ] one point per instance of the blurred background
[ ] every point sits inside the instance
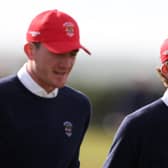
(124, 37)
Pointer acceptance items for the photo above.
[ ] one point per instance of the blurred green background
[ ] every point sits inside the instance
(110, 106)
(95, 148)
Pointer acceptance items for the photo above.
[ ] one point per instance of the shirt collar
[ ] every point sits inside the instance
(165, 97)
(33, 86)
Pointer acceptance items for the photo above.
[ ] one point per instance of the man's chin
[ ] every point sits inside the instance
(60, 85)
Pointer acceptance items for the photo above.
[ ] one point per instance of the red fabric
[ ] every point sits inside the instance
(57, 30)
(164, 51)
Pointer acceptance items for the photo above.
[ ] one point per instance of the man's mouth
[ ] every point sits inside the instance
(59, 73)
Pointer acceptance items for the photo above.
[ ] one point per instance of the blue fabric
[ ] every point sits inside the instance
(141, 141)
(37, 132)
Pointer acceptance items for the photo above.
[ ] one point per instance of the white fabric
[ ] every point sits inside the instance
(165, 97)
(33, 86)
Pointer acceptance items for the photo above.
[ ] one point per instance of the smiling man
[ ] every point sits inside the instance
(43, 121)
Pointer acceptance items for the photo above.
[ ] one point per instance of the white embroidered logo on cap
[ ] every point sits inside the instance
(34, 33)
(68, 128)
(69, 28)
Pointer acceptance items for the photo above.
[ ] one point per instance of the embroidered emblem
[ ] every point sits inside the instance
(69, 28)
(68, 128)
(34, 33)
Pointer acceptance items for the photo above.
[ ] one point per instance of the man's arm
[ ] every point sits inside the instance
(124, 150)
(75, 162)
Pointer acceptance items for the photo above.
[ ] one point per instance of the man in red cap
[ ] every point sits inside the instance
(141, 140)
(43, 121)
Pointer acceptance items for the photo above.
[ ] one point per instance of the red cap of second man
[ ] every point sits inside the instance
(164, 51)
(58, 31)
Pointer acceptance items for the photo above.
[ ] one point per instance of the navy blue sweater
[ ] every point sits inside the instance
(142, 139)
(38, 132)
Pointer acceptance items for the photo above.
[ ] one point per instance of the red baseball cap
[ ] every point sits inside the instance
(164, 51)
(58, 31)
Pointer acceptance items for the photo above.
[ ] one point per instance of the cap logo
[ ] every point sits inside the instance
(34, 33)
(165, 52)
(68, 128)
(69, 28)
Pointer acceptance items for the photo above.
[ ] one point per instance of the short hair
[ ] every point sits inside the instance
(36, 44)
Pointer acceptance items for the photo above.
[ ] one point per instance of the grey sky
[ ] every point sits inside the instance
(116, 30)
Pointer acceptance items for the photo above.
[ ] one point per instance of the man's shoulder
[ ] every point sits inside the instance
(151, 108)
(7, 82)
(7, 79)
(148, 113)
(74, 94)
(72, 91)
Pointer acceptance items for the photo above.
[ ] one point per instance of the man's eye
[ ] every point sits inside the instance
(74, 53)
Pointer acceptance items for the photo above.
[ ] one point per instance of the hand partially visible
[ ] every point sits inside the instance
(163, 79)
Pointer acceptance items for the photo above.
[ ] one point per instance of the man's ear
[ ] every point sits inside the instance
(28, 47)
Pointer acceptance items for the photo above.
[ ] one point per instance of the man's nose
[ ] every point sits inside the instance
(66, 61)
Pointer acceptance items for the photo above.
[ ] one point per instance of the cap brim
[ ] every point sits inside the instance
(85, 49)
(61, 47)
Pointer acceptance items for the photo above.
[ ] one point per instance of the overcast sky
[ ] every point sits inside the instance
(106, 25)
(111, 29)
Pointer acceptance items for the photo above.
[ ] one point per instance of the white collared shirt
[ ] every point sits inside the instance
(165, 97)
(33, 86)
